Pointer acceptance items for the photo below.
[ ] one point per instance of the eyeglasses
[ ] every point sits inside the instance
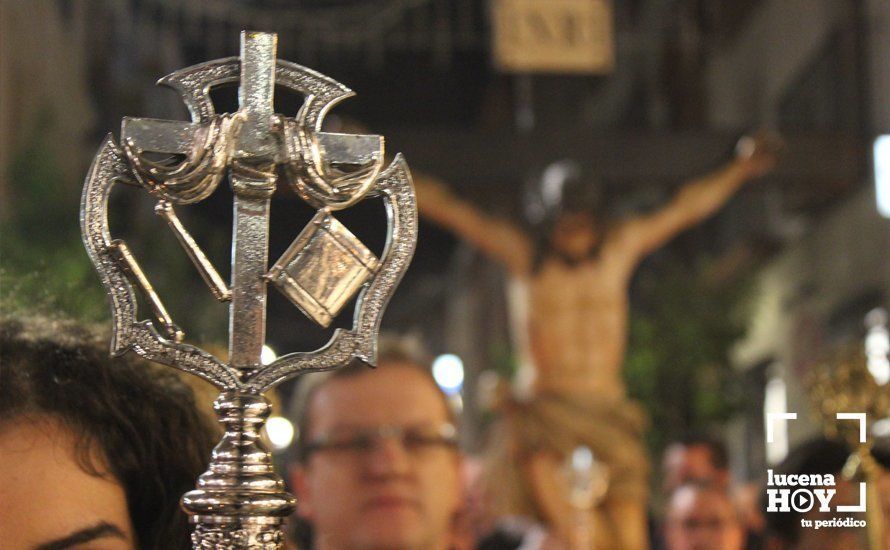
(710, 524)
(414, 439)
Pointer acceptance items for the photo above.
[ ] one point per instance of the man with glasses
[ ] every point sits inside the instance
(378, 465)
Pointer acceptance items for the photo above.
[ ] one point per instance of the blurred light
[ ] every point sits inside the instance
(775, 400)
(582, 459)
(881, 428)
(268, 355)
(877, 345)
(881, 159)
(448, 370)
(280, 431)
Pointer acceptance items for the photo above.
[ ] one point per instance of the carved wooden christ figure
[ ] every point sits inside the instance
(577, 302)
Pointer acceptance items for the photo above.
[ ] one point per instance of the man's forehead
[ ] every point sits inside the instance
(392, 393)
(700, 502)
(699, 452)
(673, 455)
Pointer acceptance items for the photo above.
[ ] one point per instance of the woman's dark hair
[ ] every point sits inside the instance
(152, 438)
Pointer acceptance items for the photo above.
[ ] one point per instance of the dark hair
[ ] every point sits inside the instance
(881, 453)
(562, 188)
(815, 456)
(143, 419)
(716, 447)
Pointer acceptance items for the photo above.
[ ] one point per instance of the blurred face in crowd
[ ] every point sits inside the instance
(381, 473)
(574, 235)
(702, 518)
(691, 464)
(48, 501)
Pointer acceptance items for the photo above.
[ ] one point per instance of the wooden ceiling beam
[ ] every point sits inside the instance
(487, 164)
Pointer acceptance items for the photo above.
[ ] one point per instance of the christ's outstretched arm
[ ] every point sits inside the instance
(695, 201)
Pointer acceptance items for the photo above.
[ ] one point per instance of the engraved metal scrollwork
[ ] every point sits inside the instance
(240, 501)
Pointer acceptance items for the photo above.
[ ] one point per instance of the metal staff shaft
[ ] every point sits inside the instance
(250, 244)
(240, 500)
(253, 181)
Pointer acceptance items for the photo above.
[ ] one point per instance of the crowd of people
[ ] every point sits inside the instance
(95, 452)
(95, 449)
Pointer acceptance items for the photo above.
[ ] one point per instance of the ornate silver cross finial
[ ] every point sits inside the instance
(240, 502)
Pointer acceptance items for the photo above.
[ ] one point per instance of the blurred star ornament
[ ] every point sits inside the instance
(842, 386)
(587, 481)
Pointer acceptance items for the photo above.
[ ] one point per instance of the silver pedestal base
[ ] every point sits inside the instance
(240, 501)
(242, 534)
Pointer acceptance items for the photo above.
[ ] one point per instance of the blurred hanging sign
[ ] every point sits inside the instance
(553, 36)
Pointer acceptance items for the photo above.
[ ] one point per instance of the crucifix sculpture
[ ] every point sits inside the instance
(240, 502)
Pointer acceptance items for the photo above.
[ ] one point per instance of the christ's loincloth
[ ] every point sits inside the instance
(558, 424)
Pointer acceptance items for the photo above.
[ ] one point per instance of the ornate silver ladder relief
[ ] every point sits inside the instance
(240, 501)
